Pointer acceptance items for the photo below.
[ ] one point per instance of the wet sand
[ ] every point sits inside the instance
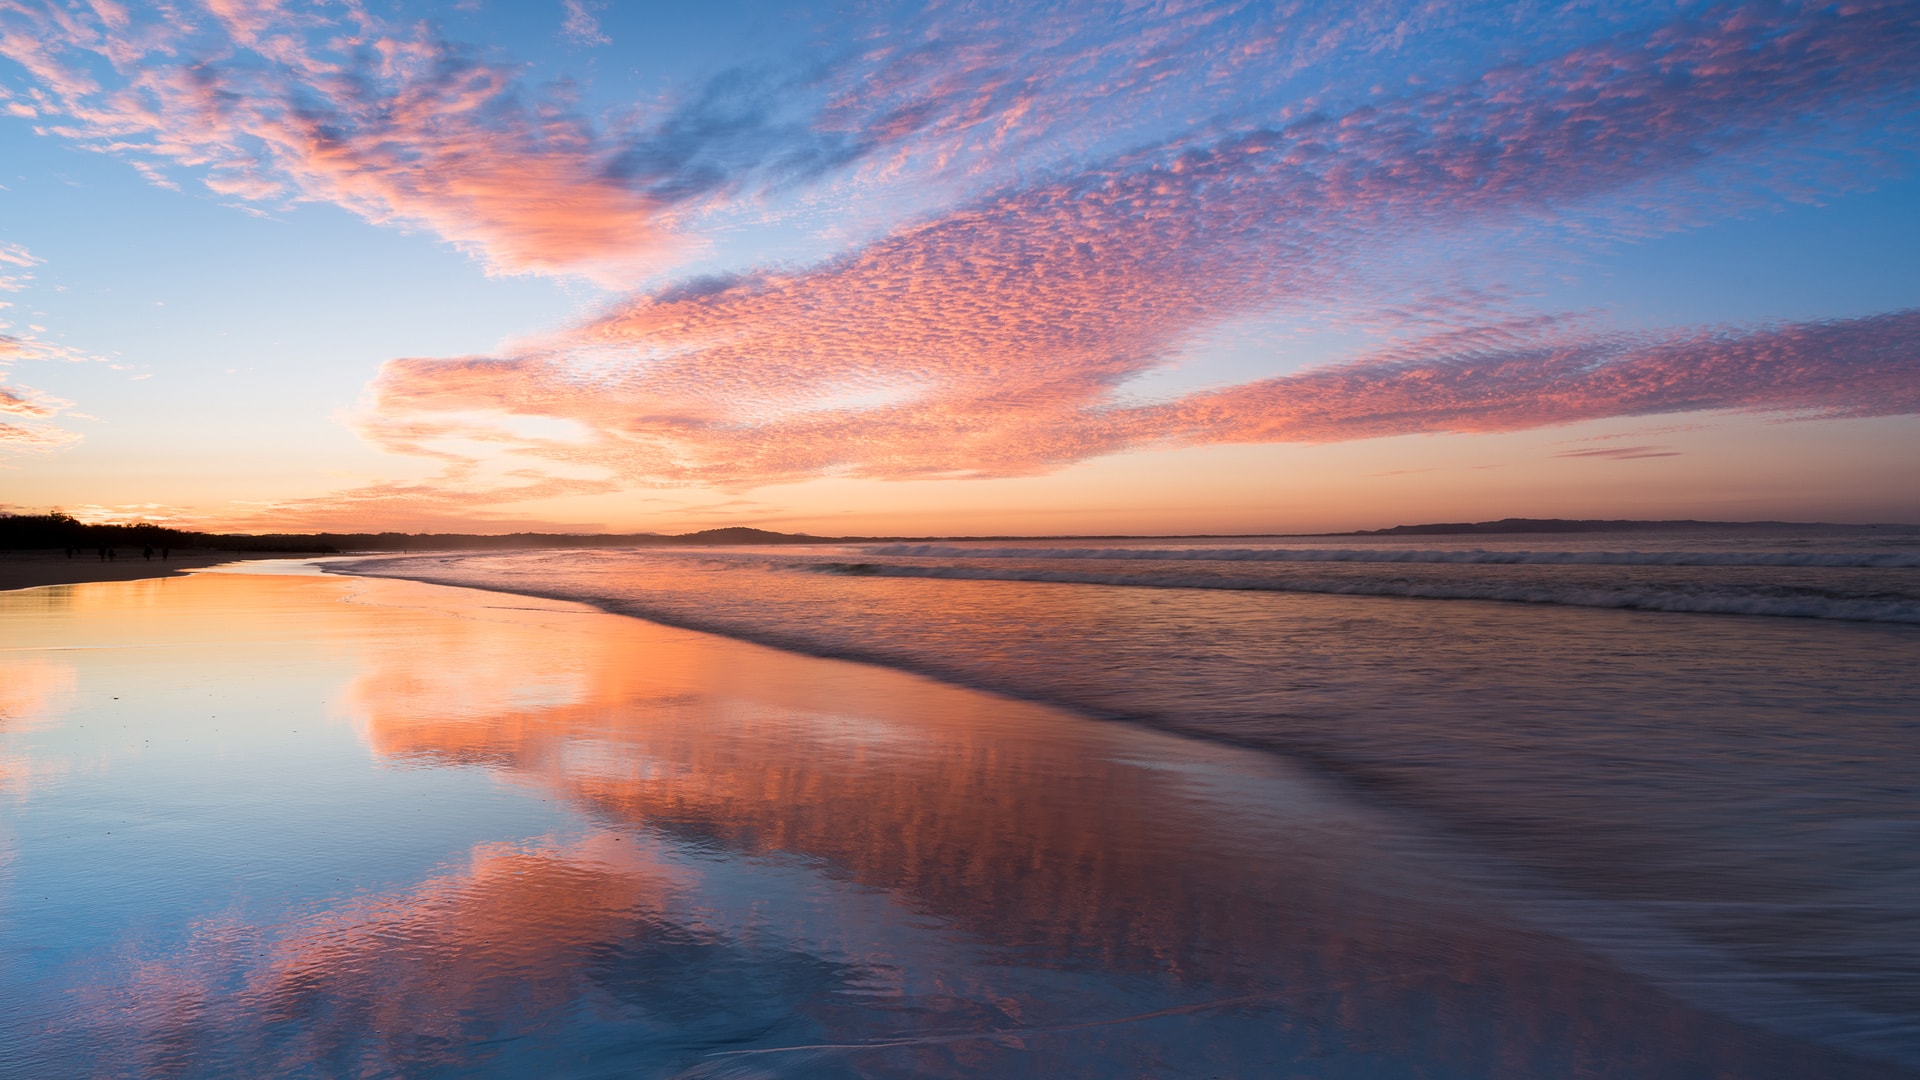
(30, 569)
(265, 825)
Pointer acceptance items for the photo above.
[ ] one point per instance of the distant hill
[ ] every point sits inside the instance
(740, 534)
(22, 532)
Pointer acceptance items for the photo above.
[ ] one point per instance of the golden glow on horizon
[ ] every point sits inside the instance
(1730, 468)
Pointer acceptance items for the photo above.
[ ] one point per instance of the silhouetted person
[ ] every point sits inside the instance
(148, 553)
(103, 554)
(165, 552)
(112, 554)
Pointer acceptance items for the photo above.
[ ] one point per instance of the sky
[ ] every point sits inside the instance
(969, 268)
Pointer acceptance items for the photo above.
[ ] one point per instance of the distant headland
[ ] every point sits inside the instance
(31, 532)
(55, 531)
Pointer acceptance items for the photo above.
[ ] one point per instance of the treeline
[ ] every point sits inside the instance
(29, 532)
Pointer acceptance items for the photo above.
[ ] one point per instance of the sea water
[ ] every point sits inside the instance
(1693, 751)
(1336, 807)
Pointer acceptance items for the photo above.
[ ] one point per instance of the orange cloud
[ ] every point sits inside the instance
(443, 503)
(1857, 367)
(33, 409)
(19, 404)
(36, 690)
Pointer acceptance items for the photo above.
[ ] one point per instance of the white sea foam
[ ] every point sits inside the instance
(1852, 559)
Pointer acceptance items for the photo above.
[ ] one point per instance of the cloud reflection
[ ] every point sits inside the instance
(782, 852)
(34, 692)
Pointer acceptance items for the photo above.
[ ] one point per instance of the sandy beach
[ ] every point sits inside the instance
(268, 824)
(30, 569)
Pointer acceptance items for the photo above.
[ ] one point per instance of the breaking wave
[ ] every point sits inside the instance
(1780, 601)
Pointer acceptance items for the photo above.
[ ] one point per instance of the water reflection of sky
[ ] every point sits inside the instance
(263, 825)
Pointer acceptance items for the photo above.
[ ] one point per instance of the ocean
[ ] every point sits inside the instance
(1693, 752)
(1612, 805)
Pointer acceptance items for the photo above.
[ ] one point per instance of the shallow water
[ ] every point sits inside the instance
(316, 826)
(1727, 804)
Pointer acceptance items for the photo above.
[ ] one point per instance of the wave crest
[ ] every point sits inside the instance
(1704, 599)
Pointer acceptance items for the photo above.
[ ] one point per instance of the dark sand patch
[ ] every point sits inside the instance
(30, 569)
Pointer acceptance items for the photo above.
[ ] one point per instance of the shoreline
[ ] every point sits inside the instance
(39, 569)
(705, 788)
(1366, 780)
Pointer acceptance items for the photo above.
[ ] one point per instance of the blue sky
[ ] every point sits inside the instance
(957, 268)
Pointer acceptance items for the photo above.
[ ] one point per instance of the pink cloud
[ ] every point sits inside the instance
(1004, 334)
(503, 937)
(1000, 338)
(26, 403)
(1847, 367)
(1857, 367)
(279, 100)
(582, 26)
(31, 411)
(443, 503)
(1621, 453)
(271, 101)
(24, 413)
(15, 261)
(400, 129)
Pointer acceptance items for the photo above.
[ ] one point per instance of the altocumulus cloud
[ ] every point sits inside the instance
(271, 102)
(24, 412)
(1089, 193)
(997, 338)
(268, 102)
